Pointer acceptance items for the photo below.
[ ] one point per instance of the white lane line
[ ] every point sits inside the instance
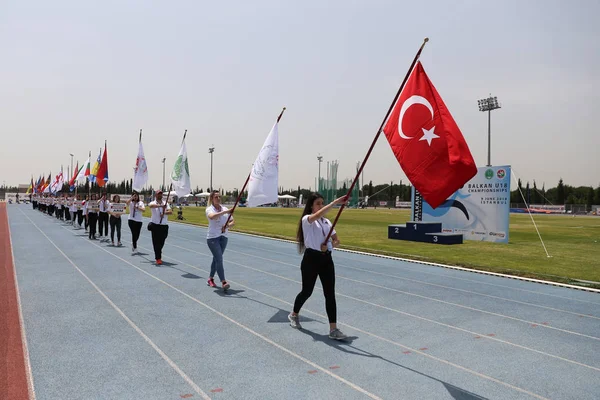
(129, 321)
(28, 371)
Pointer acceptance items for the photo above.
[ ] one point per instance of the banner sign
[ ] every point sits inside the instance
(93, 206)
(479, 210)
(118, 207)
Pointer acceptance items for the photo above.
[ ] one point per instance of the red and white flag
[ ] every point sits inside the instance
(427, 142)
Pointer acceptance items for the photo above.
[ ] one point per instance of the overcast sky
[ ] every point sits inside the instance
(74, 73)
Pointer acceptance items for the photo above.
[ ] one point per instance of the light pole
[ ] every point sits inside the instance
(320, 159)
(489, 104)
(163, 162)
(71, 172)
(211, 150)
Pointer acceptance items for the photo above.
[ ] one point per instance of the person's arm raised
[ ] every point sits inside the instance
(313, 217)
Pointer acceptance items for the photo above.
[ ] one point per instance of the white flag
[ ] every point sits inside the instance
(262, 187)
(180, 177)
(140, 177)
(84, 171)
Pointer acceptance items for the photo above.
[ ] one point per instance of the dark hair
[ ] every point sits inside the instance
(307, 210)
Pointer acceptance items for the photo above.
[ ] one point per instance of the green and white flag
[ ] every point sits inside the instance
(180, 177)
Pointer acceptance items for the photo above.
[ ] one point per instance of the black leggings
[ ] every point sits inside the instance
(92, 219)
(136, 228)
(315, 263)
(159, 235)
(115, 222)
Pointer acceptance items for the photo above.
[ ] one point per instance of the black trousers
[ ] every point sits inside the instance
(103, 223)
(136, 228)
(79, 217)
(115, 223)
(159, 235)
(92, 219)
(318, 264)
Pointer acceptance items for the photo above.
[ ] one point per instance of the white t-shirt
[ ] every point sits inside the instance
(84, 207)
(104, 205)
(315, 233)
(157, 212)
(138, 213)
(215, 225)
(73, 206)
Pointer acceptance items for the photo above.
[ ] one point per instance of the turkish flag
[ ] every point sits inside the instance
(427, 142)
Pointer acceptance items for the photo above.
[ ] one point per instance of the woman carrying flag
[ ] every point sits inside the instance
(313, 228)
(216, 237)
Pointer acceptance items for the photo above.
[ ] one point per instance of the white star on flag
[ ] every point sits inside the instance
(429, 135)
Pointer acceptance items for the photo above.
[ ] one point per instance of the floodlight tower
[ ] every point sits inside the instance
(489, 104)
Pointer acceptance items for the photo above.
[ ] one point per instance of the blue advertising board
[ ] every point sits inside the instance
(479, 210)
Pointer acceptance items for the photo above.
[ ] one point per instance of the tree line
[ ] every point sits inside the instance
(558, 195)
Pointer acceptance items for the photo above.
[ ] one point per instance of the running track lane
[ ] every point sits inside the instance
(13, 375)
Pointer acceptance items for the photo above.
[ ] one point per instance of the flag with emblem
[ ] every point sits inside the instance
(180, 176)
(140, 176)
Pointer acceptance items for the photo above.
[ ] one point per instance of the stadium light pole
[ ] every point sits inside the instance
(489, 104)
(71, 172)
(211, 150)
(320, 159)
(163, 162)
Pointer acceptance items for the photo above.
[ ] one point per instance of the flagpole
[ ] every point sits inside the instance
(244, 187)
(376, 137)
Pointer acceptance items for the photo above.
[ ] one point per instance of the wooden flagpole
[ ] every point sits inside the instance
(376, 137)
(243, 188)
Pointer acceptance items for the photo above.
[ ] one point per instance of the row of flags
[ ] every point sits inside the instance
(422, 134)
(98, 173)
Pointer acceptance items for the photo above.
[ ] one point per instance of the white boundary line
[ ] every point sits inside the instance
(129, 321)
(28, 371)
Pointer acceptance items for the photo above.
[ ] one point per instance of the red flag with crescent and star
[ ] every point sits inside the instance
(427, 142)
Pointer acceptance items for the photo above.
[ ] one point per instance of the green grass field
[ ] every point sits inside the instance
(573, 243)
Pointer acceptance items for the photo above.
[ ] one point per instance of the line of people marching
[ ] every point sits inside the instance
(96, 215)
(312, 230)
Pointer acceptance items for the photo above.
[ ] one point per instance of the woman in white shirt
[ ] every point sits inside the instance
(115, 221)
(136, 208)
(216, 238)
(313, 228)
